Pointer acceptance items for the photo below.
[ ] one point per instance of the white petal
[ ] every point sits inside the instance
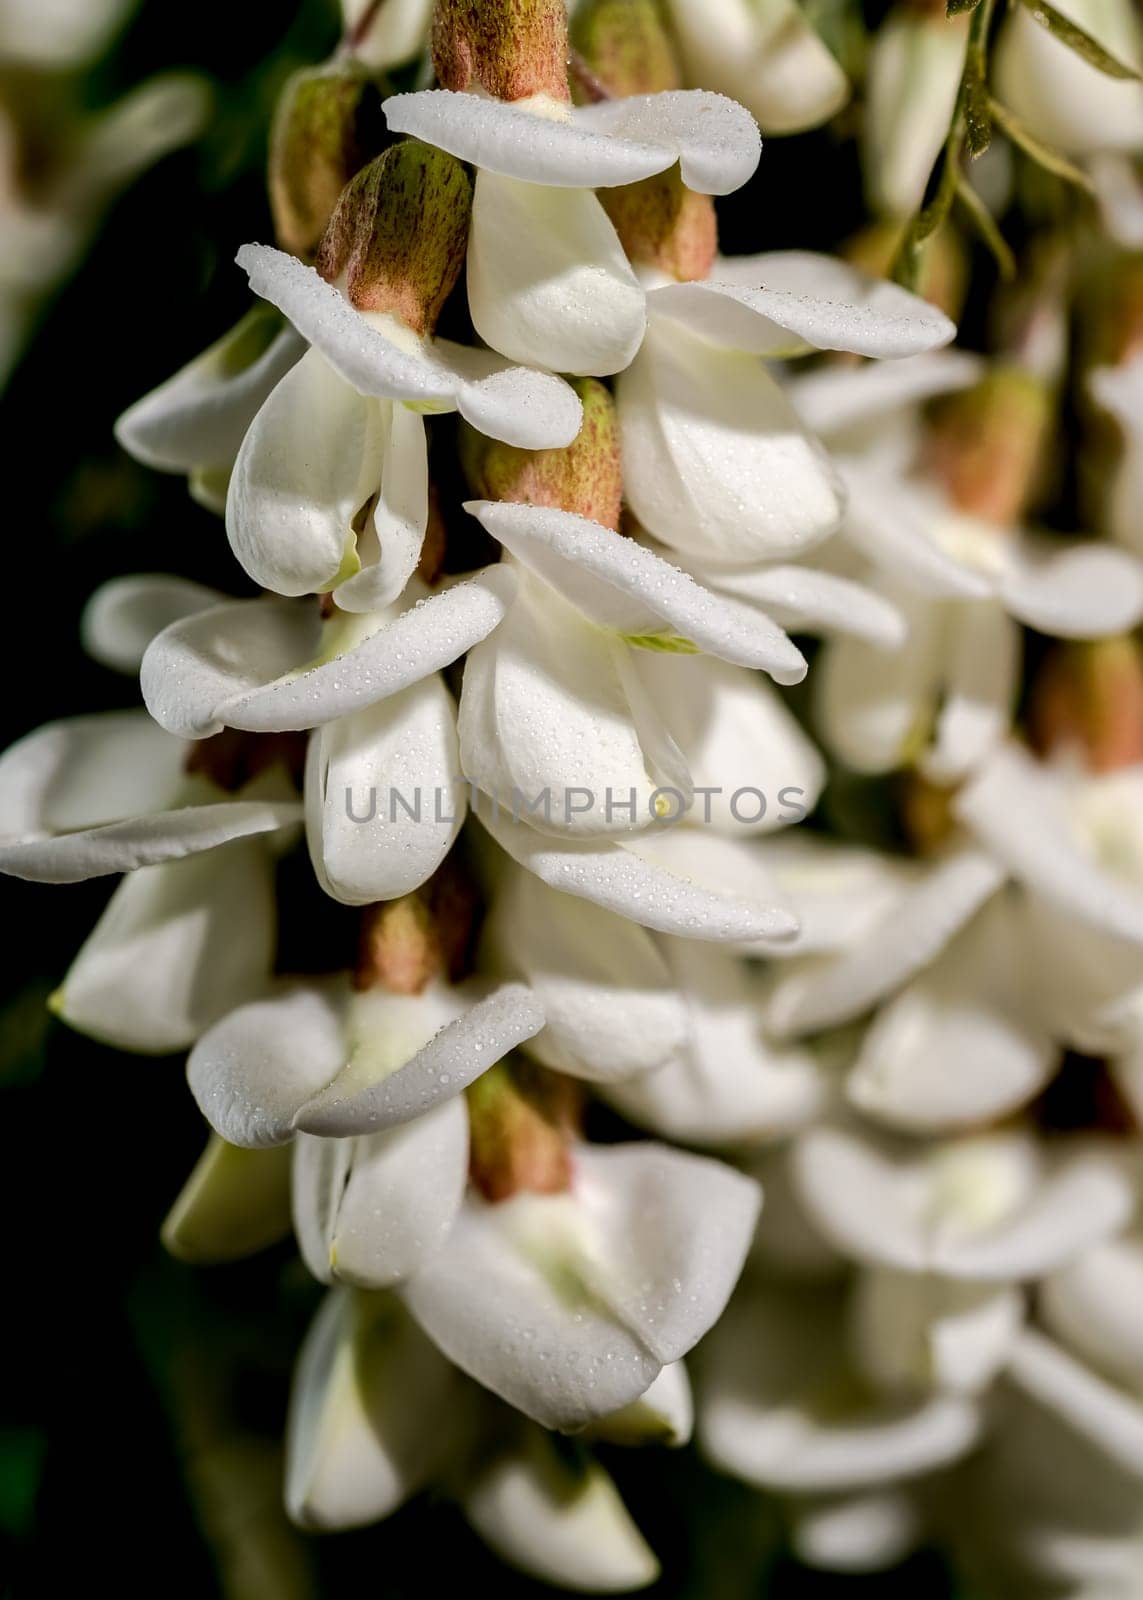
(320, 1173)
(663, 1414)
(234, 1203)
(873, 706)
(252, 1071)
(715, 461)
(831, 399)
(729, 1086)
(390, 547)
(690, 885)
(838, 892)
(806, 600)
(255, 664)
(178, 946)
(1017, 812)
(84, 772)
(1120, 391)
(1095, 1305)
(769, 1409)
(124, 615)
(382, 808)
(397, 31)
(982, 671)
(531, 409)
(913, 932)
(616, 142)
(895, 523)
(371, 1413)
(401, 1198)
(1087, 1200)
(961, 1044)
(1110, 1419)
(197, 418)
(491, 1300)
(534, 410)
(564, 1524)
(548, 283)
(677, 1228)
(715, 139)
(866, 1204)
(310, 460)
(624, 586)
(792, 300)
(763, 53)
(860, 1533)
(610, 1006)
(1074, 591)
(395, 1083)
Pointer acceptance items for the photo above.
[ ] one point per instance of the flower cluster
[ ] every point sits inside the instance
(594, 1004)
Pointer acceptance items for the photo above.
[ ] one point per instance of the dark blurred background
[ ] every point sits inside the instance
(141, 1401)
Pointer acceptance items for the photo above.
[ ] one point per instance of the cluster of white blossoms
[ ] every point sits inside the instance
(538, 751)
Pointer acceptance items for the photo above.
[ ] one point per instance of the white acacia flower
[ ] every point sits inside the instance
(782, 1405)
(944, 1237)
(1059, 97)
(548, 282)
(191, 930)
(763, 53)
(716, 463)
(344, 425)
(377, 1413)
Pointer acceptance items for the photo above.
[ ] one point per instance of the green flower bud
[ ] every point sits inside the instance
(399, 232)
(512, 49)
(327, 125)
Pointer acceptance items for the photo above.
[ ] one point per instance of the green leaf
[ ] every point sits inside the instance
(985, 224)
(1079, 40)
(1051, 160)
(957, 8)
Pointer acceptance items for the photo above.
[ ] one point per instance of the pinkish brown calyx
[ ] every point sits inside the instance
(512, 49)
(398, 234)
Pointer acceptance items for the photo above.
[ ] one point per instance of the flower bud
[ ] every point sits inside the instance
(626, 46)
(399, 232)
(512, 49)
(986, 444)
(585, 477)
(327, 125)
(1089, 697)
(518, 1135)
